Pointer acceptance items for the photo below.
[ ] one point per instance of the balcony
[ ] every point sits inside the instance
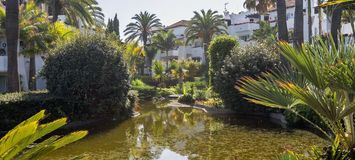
(3, 64)
(243, 27)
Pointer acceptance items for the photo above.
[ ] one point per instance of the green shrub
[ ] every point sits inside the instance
(200, 95)
(250, 60)
(133, 99)
(219, 48)
(138, 82)
(17, 107)
(145, 92)
(186, 99)
(164, 92)
(88, 70)
(294, 120)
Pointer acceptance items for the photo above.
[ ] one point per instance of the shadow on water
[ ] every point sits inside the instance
(162, 132)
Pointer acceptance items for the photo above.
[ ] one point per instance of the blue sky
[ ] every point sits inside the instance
(169, 11)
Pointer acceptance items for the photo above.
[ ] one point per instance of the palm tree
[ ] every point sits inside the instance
(133, 55)
(204, 26)
(261, 6)
(12, 39)
(158, 70)
(86, 11)
(282, 21)
(298, 25)
(321, 78)
(142, 29)
(265, 32)
(165, 40)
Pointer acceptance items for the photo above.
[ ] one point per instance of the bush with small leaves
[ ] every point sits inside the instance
(89, 69)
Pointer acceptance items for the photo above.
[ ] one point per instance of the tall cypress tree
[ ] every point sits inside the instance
(109, 28)
(116, 26)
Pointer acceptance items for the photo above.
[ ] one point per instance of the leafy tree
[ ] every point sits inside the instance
(165, 40)
(16, 143)
(204, 26)
(133, 55)
(265, 32)
(142, 29)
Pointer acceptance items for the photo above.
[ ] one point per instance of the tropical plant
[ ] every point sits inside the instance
(261, 6)
(265, 32)
(165, 40)
(87, 11)
(321, 78)
(298, 37)
(204, 26)
(19, 143)
(142, 29)
(158, 70)
(12, 34)
(133, 55)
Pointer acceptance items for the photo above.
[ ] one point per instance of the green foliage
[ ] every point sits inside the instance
(137, 82)
(113, 26)
(133, 55)
(165, 40)
(321, 79)
(158, 70)
(88, 70)
(186, 99)
(145, 92)
(265, 32)
(16, 143)
(164, 92)
(250, 60)
(133, 99)
(219, 48)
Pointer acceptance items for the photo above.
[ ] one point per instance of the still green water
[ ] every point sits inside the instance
(166, 133)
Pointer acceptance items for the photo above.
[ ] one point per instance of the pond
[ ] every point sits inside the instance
(164, 133)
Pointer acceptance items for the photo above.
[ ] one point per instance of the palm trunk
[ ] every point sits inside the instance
(282, 25)
(32, 74)
(320, 17)
(309, 12)
(12, 38)
(55, 10)
(336, 24)
(298, 25)
(167, 59)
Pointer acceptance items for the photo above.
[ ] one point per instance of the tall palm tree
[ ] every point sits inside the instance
(261, 6)
(309, 15)
(86, 11)
(204, 26)
(35, 33)
(165, 40)
(298, 25)
(142, 29)
(282, 21)
(12, 39)
(265, 32)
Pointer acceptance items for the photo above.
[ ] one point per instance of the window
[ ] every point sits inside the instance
(244, 38)
(198, 59)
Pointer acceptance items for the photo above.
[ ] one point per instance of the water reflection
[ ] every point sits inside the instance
(185, 133)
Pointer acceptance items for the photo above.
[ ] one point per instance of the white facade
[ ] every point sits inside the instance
(193, 50)
(241, 25)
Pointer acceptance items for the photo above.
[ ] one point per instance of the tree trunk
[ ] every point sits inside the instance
(12, 38)
(55, 10)
(167, 60)
(320, 18)
(298, 25)
(336, 24)
(32, 74)
(309, 12)
(282, 26)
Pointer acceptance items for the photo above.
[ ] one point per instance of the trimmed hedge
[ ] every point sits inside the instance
(250, 60)
(145, 93)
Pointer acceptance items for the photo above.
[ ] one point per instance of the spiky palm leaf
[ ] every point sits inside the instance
(143, 27)
(14, 145)
(315, 80)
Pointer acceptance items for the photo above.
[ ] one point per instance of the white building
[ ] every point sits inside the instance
(243, 24)
(193, 50)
